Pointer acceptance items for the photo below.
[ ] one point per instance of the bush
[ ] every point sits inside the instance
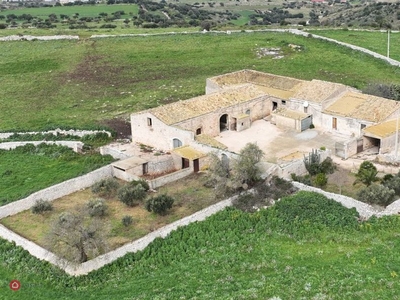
(302, 179)
(105, 187)
(327, 166)
(97, 207)
(392, 183)
(41, 206)
(141, 182)
(127, 220)
(131, 195)
(159, 204)
(377, 194)
(320, 180)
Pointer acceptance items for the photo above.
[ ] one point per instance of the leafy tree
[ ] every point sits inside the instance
(367, 173)
(218, 175)
(97, 207)
(77, 237)
(393, 183)
(105, 187)
(245, 169)
(377, 194)
(159, 204)
(131, 195)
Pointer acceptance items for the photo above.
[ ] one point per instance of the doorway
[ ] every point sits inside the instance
(223, 123)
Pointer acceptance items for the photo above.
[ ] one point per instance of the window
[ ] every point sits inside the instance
(305, 110)
(198, 131)
(363, 126)
(149, 122)
(248, 112)
(334, 123)
(176, 143)
(283, 102)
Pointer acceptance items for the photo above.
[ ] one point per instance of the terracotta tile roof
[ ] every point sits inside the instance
(363, 107)
(210, 141)
(318, 91)
(382, 130)
(183, 110)
(274, 85)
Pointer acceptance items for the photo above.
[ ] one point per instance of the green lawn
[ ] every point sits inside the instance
(81, 83)
(82, 10)
(375, 41)
(29, 169)
(323, 253)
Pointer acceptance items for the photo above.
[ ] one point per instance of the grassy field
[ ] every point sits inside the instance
(82, 83)
(323, 253)
(375, 41)
(82, 10)
(35, 226)
(29, 169)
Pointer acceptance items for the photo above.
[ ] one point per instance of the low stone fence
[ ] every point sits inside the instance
(163, 180)
(100, 261)
(365, 210)
(40, 38)
(56, 191)
(80, 133)
(74, 145)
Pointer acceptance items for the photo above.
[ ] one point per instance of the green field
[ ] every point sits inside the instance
(82, 10)
(29, 169)
(375, 41)
(82, 83)
(310, 250)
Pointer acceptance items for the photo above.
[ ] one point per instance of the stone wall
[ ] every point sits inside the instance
(56, 191)
(74, 145)
(80, 133)
(163, 180)
(365, 210)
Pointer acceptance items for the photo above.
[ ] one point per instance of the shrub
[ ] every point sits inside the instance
(320, 180)
(327, 166)
(392, 183)
(141, 182)
(312, 163)
(127, 220)
(377, 194)
(41, 206)
(159, 204)
(105, 187)
(131, 195)
(97, 207)
(302, 179)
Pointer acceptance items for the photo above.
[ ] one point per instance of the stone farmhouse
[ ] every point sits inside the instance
(185, 130)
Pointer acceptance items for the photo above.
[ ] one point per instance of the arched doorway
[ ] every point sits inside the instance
(223, 123)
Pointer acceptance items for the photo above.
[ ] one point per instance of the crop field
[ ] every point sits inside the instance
(81, 10)
(373, 40)
(305, 247)
(29, 169)
(83, 83)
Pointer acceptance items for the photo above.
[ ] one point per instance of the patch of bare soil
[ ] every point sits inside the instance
(121, 126)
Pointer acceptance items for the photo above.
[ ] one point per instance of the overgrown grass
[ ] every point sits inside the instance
(36, 226)
(373, 40)
(236, 255)
(28, 169)
(81, 83)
